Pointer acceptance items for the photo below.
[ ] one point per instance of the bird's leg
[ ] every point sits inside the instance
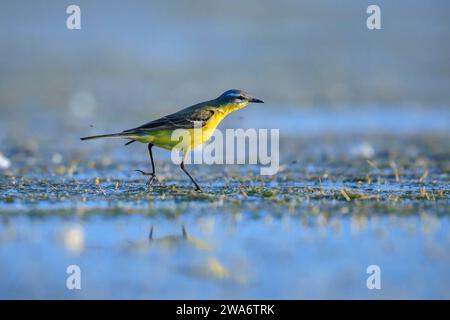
(153, 173)
(197, 188)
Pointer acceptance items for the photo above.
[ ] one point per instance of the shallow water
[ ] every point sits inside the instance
(225, 255)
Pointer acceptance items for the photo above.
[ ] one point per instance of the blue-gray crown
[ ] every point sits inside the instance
(235, 95)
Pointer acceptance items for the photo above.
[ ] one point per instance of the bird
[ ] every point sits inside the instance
(207, 115)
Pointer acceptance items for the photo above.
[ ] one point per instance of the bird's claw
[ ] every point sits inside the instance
(150, 181)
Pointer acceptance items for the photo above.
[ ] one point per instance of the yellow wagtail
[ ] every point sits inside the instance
(205, 115)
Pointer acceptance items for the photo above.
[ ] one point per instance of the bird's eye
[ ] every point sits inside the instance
(241, 98)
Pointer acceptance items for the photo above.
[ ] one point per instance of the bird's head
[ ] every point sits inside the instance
(236, 99)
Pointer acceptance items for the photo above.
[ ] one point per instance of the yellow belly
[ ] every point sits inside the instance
(164, 138)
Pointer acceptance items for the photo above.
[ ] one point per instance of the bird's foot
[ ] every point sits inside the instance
(150, 181)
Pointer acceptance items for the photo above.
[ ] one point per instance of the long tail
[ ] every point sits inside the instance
(112, 135)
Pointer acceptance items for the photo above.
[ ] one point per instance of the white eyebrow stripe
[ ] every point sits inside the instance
(233, 94)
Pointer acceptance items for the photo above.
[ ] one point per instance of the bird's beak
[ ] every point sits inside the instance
(254, 100)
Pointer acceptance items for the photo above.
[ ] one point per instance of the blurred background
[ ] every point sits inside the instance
(364, 151)
(311, 59)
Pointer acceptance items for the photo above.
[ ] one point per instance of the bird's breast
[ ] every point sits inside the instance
(213, 122)
(202, 135)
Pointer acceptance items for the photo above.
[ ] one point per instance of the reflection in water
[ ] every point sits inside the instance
(205, 267)
(172, 241)
(212, 269)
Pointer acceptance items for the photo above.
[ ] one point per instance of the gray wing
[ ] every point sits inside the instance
(183, 119)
